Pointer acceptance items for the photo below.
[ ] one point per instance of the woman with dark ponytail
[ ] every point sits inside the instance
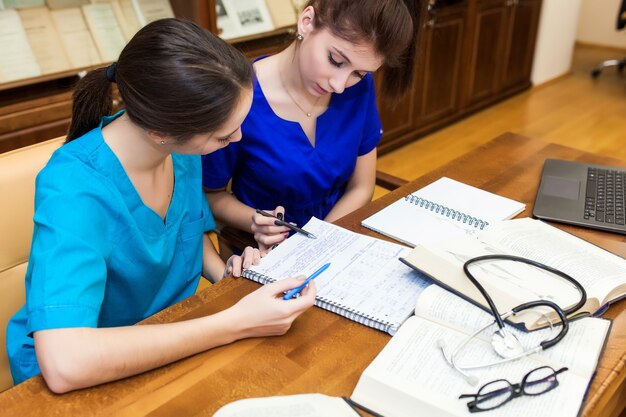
(309, 141)
(120, 218)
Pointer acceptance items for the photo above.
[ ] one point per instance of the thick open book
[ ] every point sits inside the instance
(365, 281)
(601, 273)
(443, 209)
(410, 377)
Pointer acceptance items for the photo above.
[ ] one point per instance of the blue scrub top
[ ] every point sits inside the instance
(275, 164)
(99, 256)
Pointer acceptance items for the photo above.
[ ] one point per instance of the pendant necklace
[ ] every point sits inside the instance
(308, 113)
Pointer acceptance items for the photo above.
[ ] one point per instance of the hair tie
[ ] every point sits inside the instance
(110, 72)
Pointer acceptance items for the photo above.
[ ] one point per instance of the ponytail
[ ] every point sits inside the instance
(92, 99)
(174, 78)
(398, 79)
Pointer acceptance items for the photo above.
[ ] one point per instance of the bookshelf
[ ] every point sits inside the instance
(460, 41)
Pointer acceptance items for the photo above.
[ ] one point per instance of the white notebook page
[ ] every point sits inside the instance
(365, 274)
(409, 221)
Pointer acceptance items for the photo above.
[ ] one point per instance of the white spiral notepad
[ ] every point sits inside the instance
(365, 282)
(441, 210)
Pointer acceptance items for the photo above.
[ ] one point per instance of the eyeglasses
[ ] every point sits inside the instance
(497, 393)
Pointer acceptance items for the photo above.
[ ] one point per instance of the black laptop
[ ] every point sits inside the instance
(582, 194)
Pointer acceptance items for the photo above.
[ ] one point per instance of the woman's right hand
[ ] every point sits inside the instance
(265, 313)
(266, 232)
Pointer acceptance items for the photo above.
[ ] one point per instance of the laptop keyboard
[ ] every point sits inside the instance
(604, 198)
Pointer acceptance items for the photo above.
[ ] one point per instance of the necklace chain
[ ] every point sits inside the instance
(308, 113)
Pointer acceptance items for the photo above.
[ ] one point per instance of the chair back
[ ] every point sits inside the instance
(18, 170)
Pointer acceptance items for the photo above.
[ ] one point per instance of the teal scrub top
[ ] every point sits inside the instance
(99, 256)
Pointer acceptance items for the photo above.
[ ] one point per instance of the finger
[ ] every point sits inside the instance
(286, 284)
(268, 240)
(235, 262)
(279, 212)
(248, 257)
(256, 257)
(308, 294)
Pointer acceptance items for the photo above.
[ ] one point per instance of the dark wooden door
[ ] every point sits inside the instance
(520, 47)
(486, 50)
(437, 87)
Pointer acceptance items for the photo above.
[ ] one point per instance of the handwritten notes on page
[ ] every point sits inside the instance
(365, 282)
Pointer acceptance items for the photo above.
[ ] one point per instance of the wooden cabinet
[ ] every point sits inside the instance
(520, 47)
(471, 54)
(501, 48)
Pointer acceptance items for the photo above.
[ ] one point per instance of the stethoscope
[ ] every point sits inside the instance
(504, 343)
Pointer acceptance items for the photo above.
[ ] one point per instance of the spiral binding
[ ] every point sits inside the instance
(356, 316)
(334, 307)
(257, 277)
(447, 212)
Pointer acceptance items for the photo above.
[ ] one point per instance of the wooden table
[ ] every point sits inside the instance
(323, 352)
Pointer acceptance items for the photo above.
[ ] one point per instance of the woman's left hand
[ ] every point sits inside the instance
(236, 264)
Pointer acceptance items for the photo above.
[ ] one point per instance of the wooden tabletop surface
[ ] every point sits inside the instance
(324, 352)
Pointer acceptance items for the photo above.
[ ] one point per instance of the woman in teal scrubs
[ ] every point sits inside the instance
(120, 218)
(309, 141)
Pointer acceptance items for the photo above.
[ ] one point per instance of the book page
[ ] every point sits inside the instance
(44, 40)
(150, 10)
(583, 341)
(17, 60)
(105, 30)
(76, 37)
(410, 373)
(65, 4)
(598, 270)
(442, 210)
(365, 274)
(509, 283)
(126, 17)
(21, 4)
(301, 405)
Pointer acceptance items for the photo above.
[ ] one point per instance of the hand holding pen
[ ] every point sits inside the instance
(266, 232)
(270, 228)
(280, 222)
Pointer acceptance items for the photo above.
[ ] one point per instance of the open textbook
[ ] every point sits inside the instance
(601, 273)
(365, 282)
(443, 209)
(410, 376)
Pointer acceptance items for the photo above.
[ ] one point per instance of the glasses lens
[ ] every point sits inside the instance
(539, 381)
(493, 395)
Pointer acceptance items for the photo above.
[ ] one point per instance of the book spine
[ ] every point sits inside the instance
(447, 212)
(355, 315)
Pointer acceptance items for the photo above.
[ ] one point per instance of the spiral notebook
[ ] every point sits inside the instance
(441, 210)
(366, 282)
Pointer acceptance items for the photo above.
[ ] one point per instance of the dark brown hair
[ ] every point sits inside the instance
(392, 26)
(174, 78)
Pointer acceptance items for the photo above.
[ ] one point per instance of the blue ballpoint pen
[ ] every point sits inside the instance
(296, 290)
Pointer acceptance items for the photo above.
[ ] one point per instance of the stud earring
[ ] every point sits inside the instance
(299, 37)
(162, 142)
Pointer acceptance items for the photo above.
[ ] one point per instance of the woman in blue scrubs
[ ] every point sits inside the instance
(120, 218)
(309, 146)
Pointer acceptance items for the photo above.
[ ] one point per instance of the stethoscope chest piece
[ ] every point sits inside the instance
(506, 344)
